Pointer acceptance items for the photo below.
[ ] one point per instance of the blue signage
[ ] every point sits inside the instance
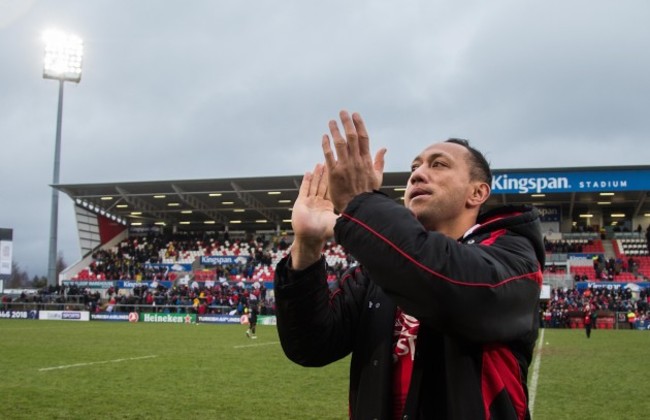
(129, 284)
(549, 213)
(505, 182)
(584, 256)
(170, 267)
(643, 325)
(610, 285)
(223, 259)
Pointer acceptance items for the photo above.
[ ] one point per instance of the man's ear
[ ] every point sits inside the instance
(479, 194)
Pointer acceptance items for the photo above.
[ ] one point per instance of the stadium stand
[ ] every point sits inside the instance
(144, 258)
(149, 257)
(629, 261)
(221, 289)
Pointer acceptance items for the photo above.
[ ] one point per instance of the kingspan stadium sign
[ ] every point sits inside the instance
(501, 183)
(578, 181)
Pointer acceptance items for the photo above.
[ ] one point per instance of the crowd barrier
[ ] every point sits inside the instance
(133, 316)
(605, 323)
(616, 321)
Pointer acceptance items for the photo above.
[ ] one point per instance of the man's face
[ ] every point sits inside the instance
(439, 185)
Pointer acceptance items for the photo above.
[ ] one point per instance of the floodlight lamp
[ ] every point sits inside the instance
(63, 56)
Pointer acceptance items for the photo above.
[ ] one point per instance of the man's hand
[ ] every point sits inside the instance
(312, 219)
(352, 171)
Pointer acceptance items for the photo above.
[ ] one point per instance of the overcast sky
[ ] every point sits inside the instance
(219, 88)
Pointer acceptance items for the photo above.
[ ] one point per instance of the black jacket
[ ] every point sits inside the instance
(476, 299)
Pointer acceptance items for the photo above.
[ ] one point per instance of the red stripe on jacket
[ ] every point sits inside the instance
(501, 373)
(536, 275)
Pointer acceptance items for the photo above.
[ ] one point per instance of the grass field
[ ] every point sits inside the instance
(605, 377)
(104, 370)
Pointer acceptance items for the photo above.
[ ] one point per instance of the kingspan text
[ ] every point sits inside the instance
(526, 185)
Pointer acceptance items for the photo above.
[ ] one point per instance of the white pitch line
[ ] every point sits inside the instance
(532, 389)
(256, 345)
(96, 363)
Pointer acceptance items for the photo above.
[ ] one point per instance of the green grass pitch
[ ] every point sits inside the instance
(111, 370)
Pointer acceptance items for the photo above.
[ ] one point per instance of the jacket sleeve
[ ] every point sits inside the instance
(317, 326)
(477, 292)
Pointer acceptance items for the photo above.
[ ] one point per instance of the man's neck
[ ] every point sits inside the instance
(457, 230)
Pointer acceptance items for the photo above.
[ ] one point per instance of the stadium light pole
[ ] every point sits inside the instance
(62, 62)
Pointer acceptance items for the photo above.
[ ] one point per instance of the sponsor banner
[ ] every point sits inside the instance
(168, 318)
(266, 320)
(505, 182)
(643, 325)
(584, 256)
(235, 319)
(610, 285)
(32, 314)
(108, 316)
(170, 267)
(130, 284)
(219, 319)
(549, 213)
(64, 315)
(89, 284)
(223, 259)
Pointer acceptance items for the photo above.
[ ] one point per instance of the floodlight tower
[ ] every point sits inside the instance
(63, 55)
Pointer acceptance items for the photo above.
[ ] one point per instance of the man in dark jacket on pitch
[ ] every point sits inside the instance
(441, 314)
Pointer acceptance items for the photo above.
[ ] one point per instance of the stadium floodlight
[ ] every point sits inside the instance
(62, 62)
(63, 56)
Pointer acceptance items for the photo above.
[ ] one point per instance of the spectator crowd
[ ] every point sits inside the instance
(232, 289)
(564, 302)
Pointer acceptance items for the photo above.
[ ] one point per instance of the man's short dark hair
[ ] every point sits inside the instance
(480, 168)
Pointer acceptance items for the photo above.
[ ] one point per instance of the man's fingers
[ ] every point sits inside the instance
(340, 143)
(362, 134)
(320, 179)
(315, 180)
(305, 185)
(379, 160)
(378, 166)
(328, 153)
(350, 134)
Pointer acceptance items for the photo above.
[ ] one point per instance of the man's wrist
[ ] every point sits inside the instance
(305, 253)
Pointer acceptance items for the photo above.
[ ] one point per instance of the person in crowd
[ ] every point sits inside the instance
(441, 314)
(631, 319)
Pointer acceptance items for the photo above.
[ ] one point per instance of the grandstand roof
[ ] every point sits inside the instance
(250, 204)
(264, 203)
